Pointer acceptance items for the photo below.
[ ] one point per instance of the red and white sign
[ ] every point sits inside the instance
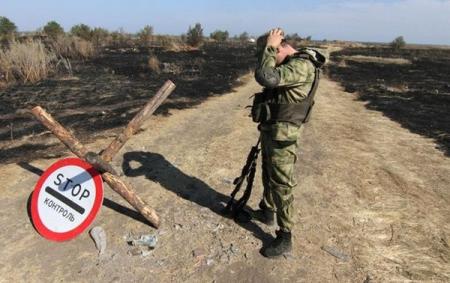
(66, 199)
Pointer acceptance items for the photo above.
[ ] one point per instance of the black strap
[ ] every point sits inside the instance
(248, 173)
(312, 94)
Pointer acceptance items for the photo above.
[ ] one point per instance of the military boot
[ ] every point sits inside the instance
(282, 244)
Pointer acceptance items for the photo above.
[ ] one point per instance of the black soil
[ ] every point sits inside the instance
(416, 95)
(109, 90)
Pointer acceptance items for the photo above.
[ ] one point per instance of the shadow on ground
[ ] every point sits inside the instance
(416, 95)
(157, 169)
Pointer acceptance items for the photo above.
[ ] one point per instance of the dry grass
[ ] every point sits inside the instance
(153, 64)
(31, 61)
(170, 43)
(73, 47)
(26, 62)
(380, 60)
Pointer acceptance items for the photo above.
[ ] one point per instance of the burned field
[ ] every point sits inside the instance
(103, 94)
(410, 86)
(371, 203)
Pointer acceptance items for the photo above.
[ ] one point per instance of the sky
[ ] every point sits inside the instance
(418, 21)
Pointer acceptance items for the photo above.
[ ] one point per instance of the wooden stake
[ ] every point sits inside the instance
(60, 132)
(123, 189)
(126, 191)
(134, 125)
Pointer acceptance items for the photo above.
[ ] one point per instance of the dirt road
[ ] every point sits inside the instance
(370, 192)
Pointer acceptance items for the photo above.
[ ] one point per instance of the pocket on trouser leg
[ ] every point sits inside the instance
(285, 132)
(282, 161)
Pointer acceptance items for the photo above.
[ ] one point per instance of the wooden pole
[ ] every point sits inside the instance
(134, 125)
(59, 131)
(127, 192)
(123, 189)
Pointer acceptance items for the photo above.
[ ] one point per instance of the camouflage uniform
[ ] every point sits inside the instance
(291, 83)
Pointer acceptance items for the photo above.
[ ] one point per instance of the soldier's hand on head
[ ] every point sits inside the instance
(275, 37)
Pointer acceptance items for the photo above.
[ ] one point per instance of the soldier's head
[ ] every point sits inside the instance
(283, 50)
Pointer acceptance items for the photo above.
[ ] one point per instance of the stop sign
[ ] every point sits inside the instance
(66, 199)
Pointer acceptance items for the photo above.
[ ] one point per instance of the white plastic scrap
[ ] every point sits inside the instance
(145, 240)
(99, 236)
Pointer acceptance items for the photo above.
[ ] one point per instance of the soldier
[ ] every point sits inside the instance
(289, 78)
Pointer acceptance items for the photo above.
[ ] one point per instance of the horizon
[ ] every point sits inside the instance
(375, 21)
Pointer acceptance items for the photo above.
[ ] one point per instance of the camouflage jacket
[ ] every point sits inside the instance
(290, 82)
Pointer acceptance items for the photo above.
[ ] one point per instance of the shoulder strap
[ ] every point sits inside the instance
(314, 56)
(315, 85)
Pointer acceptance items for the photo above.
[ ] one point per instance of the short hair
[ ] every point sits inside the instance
(261, 43)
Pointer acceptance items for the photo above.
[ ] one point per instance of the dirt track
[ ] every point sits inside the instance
(368, 188)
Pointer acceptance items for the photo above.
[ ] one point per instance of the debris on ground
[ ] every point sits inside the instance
(209, 262)
(228, 181)
(199, 255)
(335, 252)
(144, 240)
(137, 251)
(98, 234)
(198, 252)
(143, 245)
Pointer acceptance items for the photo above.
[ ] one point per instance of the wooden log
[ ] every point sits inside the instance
(101, 165)
(60, 132)
(134, 125)
(123, 189)
(130, 196)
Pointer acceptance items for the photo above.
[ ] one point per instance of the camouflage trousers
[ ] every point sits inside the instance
(279, 152)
